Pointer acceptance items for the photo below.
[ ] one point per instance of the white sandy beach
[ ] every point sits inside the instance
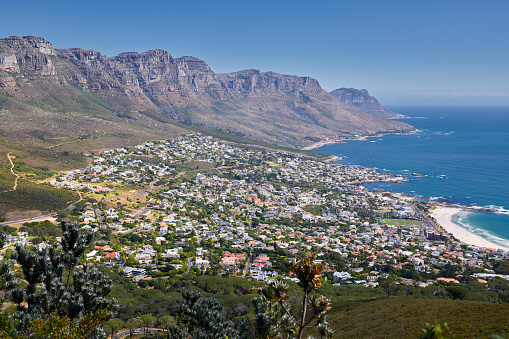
(443, 215)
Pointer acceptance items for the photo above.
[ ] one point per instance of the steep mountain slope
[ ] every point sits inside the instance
(361, 99)
(51, 95)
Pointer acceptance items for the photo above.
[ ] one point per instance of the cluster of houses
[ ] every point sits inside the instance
(264, 200)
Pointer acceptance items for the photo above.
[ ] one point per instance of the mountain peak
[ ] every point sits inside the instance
(360, 98)
(33, 42)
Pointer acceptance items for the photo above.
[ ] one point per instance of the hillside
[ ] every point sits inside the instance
(405, 317)
(360, 312)
(361, 99)
(53, 97)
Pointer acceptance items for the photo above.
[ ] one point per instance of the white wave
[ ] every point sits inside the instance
(461, 219)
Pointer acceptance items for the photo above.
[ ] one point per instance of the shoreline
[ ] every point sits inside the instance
(443, 215)
(358, 138)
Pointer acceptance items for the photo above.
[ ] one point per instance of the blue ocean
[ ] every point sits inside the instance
(460, 155)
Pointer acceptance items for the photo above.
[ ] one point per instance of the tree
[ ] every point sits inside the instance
(201, 318)
(456, 292)
(131, 326)
(7, 282)
(166, 322)
(114, 325)
(60, 327)
(273, 311)
(390, 286)
(55, 287)
(449, 271)
(147, 320)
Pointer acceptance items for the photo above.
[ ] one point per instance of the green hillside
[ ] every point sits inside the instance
(404, 318)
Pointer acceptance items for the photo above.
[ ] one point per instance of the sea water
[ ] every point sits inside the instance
(460, 155)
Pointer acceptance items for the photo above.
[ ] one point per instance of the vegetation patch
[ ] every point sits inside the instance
(404, 222)
(405, 318)
(31, 196)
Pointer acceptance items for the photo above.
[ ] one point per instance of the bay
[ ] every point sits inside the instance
(460, 155)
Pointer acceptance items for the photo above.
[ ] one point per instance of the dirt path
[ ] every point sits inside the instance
(60, 144)
(12, 171)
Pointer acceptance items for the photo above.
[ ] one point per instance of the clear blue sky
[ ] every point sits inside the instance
(403, 52)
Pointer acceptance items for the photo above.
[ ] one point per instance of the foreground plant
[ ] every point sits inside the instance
(273, 311)
(200, 318)
(57, 290)
(437, 331)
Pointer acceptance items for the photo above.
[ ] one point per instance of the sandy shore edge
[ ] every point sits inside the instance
(443, 215)
(343, 140)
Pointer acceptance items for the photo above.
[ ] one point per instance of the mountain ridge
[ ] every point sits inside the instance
(360, 98)
(153, 89)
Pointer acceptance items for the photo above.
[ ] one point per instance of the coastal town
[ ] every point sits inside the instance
(199, 205)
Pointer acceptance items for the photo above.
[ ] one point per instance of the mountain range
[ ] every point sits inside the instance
(53, 98)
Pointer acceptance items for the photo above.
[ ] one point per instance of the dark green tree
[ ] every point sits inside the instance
(390, 286)
(456, 292)
(7, 280)
(55, 285)
(201, 318)
(131, 326)
(166, 322)
(147, 320)
(7, 283)
(114, 325)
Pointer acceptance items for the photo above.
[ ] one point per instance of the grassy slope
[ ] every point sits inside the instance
(30, 196)
(360, 317)
(404, 318)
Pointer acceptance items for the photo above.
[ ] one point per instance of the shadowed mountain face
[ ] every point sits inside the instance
(147, 95)
(361, 99)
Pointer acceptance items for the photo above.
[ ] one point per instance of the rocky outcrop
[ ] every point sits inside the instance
(277, 108)
(28, 53)
(361, 99)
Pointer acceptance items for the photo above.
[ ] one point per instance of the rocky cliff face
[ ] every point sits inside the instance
(361, 99)
(29, 54)
(283, 109)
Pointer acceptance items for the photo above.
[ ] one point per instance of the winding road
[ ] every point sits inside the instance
(125, 333)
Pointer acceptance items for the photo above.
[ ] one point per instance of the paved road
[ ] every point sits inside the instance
(100, 216)
(425, 219)
(189, 261)
(43, 217)
(126, 333)
(249, 262)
